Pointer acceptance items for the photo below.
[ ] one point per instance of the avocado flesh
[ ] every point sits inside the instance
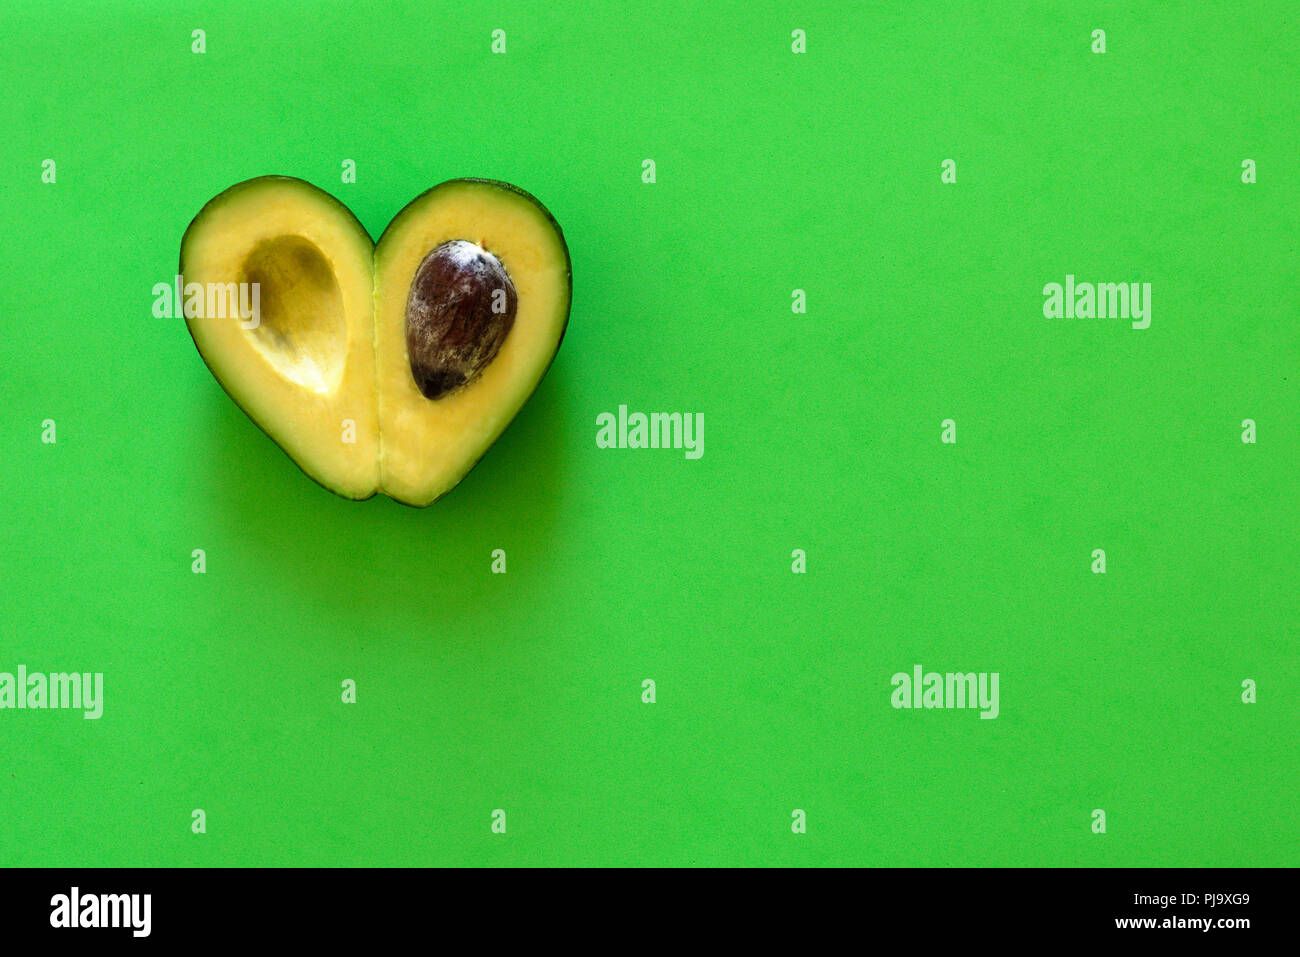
(306, 373)
(327, 373)
(427, 445)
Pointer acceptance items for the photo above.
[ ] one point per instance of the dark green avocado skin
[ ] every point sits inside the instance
(217, 201)
(568, 306)
(498, 184)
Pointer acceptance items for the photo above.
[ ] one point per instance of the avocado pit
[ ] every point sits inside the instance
(460, 309)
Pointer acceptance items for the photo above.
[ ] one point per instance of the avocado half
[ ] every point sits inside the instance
(380, 368)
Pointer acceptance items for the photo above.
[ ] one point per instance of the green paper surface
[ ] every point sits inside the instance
(775, 171)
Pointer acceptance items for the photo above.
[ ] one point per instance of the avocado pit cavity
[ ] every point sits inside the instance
(302, 328)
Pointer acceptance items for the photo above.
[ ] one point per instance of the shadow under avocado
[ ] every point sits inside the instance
(364, 567)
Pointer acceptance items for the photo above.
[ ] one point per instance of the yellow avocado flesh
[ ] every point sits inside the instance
(428, 445)
(306, 373)
(325, 372)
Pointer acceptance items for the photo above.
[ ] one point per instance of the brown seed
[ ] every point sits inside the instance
(460, 309)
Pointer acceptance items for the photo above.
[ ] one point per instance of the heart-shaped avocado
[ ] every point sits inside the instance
(388, 367)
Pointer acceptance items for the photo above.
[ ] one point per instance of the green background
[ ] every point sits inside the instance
(776, 171)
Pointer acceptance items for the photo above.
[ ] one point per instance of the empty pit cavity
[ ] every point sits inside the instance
(302, 330)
